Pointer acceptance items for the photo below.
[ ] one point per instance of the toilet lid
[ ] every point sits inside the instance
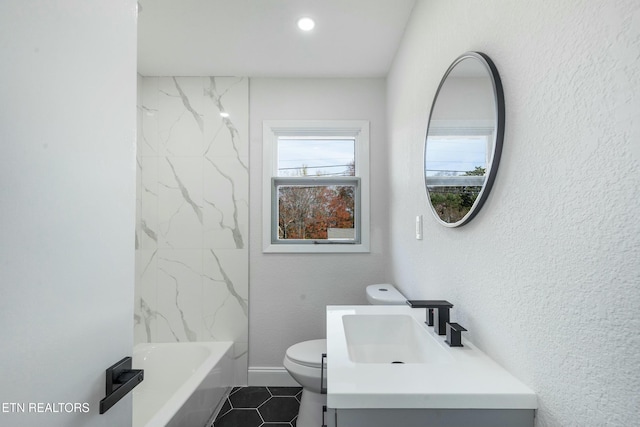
(307, 353)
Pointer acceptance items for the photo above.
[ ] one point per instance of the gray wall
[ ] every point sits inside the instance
(289, 292)
(546, 276)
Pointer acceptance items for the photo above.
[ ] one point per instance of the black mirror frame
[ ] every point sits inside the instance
(499, 135)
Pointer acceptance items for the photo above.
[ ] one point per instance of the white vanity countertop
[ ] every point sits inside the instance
(466, 378)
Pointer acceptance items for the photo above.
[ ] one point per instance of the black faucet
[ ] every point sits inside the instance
(442, 313)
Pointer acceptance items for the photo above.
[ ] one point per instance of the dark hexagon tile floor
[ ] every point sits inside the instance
(260, 407)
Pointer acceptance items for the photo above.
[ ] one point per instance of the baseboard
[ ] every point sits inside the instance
(268, 376)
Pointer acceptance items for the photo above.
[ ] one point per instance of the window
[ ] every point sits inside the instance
(316, 186)
(457, 156)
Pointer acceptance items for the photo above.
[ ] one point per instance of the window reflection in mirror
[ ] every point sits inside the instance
(463, 137)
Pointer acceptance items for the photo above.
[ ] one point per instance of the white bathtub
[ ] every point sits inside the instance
(184, 383)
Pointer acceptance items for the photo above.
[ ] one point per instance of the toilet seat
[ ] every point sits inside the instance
(307, 353)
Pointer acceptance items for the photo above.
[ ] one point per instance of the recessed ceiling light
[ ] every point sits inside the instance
(224, 114)
(306, 24)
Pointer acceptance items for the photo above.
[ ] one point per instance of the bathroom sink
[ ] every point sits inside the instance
(363, 342)
(394, 338)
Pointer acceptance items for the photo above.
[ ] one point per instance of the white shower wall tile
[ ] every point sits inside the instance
(225, 266)
(138, 164)
(180, 121)
(179, 289)
(225, 302)
(222, 235)
(148, 128)
(225, 203)
(145, 309)
(241, 361)
(223, 317)
(226, 136)
(148, 203)
(180, 188)
(138, 202)
(192, 220)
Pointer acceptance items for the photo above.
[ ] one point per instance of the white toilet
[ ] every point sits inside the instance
(303, 361)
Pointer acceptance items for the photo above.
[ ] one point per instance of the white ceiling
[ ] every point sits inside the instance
(259, 38)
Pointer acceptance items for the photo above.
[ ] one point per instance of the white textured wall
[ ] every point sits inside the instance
(192, 225)
(547, 276)
(289, 292)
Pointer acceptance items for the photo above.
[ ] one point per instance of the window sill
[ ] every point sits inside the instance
(326, 248)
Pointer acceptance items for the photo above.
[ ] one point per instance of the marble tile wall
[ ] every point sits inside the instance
(192, 212)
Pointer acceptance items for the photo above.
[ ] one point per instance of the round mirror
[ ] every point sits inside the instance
(464, 139)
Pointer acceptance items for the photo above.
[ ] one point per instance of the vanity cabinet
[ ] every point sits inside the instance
(387, 368)
(429, 417)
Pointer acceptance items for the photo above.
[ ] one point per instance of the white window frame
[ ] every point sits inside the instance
(271, 131)
(466, 127)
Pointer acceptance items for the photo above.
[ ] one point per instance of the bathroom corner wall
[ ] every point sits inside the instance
(546, 276)
(192, 212)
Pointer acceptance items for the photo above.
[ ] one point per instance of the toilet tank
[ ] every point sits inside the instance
(385, 294)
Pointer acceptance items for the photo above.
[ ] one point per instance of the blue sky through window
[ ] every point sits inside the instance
(323, 157)
(455, 155)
